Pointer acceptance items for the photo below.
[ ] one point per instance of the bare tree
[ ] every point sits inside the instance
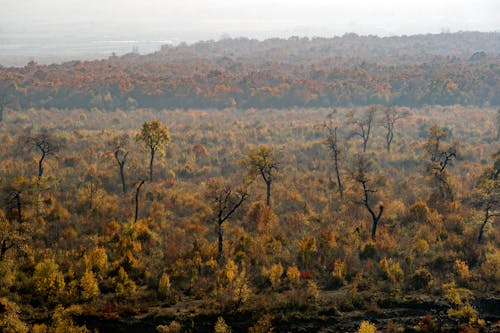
(333, 142)
(138, 189)
(225, 200)
(440, 158)
(362, 124)
(121, 154)
(391, 116)
(46, 144)
(361, 174)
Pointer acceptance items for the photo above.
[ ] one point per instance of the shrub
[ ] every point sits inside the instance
(367, 327)
(293, 275)
(221, 326)
(89, 285)
(48, 280)
(421, 279)
(164, 287)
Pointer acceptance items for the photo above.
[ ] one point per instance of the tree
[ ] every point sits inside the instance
(360, 173)
(138, 189)
(440, 158)
(262, 161)
(121, 157)
(8, 91)
(486, 195)
(391, 115)
(154, 135)
(362, 124)
(335, 147)
(225, 201)
(46, 144)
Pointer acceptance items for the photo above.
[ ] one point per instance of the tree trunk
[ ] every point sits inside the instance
(219, 232)
(337, 171)
(19, 212)
(137, 201)
(481, 230)
(122, 177)
(151, 165)
(268, 193)
(1, 113)
(376, 219)
(40, 166)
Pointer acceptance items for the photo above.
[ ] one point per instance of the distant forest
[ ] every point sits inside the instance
(444, 69)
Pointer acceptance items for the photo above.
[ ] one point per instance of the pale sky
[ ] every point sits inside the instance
(56, 21)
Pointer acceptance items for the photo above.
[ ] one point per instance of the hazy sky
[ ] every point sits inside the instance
(25, 23)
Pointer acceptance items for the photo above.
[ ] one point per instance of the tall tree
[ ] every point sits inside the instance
(486, 195)
(262, 162)
(121, 154)
(440, 159)
(362, 123)
(361, 173)
(225, 199)
(154, 135)
(391, 116)
(333, 142)
(46, 144)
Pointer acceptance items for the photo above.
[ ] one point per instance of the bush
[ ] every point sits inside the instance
(367, 327)
(421, 279)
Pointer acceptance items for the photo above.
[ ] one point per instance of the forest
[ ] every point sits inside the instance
(368, 214)
(299, 72)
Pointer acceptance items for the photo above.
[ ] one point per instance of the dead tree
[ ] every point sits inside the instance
(360, 173)
(226, 200)
(46, 144)
(362, 124)
(391, 116)
(136, 215)
(335, 147)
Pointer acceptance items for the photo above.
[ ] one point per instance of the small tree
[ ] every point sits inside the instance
(362, 124)
(121, 154)
(154, 135)
(391, 116)
(360, 173)
(333, 142)
(486, 195)
(440, 158)
(225, 201)
(46, 144)
(262, 162)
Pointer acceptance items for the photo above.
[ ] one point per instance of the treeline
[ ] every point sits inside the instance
(216, 75)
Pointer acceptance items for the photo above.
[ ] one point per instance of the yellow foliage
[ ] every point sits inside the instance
(164, 287)
(89, 285)
(367, 327)
(221, 326)
(99, 259)
(293, 275)
(312, 291)
(274, 274)
(173, 327)
(62, 321)
(231, 270)
(9, 317)
(421, 246)
(462, 269)
(47, 279)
